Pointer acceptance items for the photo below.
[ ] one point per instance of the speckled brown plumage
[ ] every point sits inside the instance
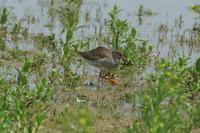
(102, 57)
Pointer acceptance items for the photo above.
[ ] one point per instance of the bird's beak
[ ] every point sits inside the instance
(122, 61)
(126, 62)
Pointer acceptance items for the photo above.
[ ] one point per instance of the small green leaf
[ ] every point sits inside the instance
(133, 32)
(16, 28)
(4, 16)
(22, 79)
(198, 65)
(27, 65)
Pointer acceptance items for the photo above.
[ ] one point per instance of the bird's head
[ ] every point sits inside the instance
(117, 56)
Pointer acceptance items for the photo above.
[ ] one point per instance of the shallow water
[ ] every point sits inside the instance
(36, 12)
(167, 13)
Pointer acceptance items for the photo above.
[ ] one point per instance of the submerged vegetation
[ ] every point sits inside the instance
(142, 12)
(43, 86)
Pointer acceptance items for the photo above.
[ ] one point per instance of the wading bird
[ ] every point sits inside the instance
(104, 59)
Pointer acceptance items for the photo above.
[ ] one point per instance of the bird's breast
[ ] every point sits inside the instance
(103, 63)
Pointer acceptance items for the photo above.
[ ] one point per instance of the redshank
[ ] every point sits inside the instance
(103, 58)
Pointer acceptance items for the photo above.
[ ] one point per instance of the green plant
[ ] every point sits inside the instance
(2, 44)
(143, 12)
(22, 107)
(163, 106)
(117, 28)
(69, 20)
(197, 65)
(16, 28)
(124, 37)
(4, 17)
(191, 78)
(195, 8)
(78, 121)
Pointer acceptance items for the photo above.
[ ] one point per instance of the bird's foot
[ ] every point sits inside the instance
(112, 81)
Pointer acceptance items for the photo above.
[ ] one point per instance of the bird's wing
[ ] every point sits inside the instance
(95, 54)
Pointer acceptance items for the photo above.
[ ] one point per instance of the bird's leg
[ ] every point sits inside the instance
(110, 79)
(99, 78)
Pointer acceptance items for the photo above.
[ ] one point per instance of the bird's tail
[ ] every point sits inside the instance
(76, 50)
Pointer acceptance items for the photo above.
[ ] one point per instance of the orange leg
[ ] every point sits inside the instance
(112, 81)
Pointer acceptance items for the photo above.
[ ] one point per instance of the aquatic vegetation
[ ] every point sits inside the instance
(124, 36)
(195, 8)
(69, 20)
(2, 44)
(79, 121)
(192, 79)
(118, 28)
(4, 18)
(144, 12)
(163, 106)
(22, 108)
